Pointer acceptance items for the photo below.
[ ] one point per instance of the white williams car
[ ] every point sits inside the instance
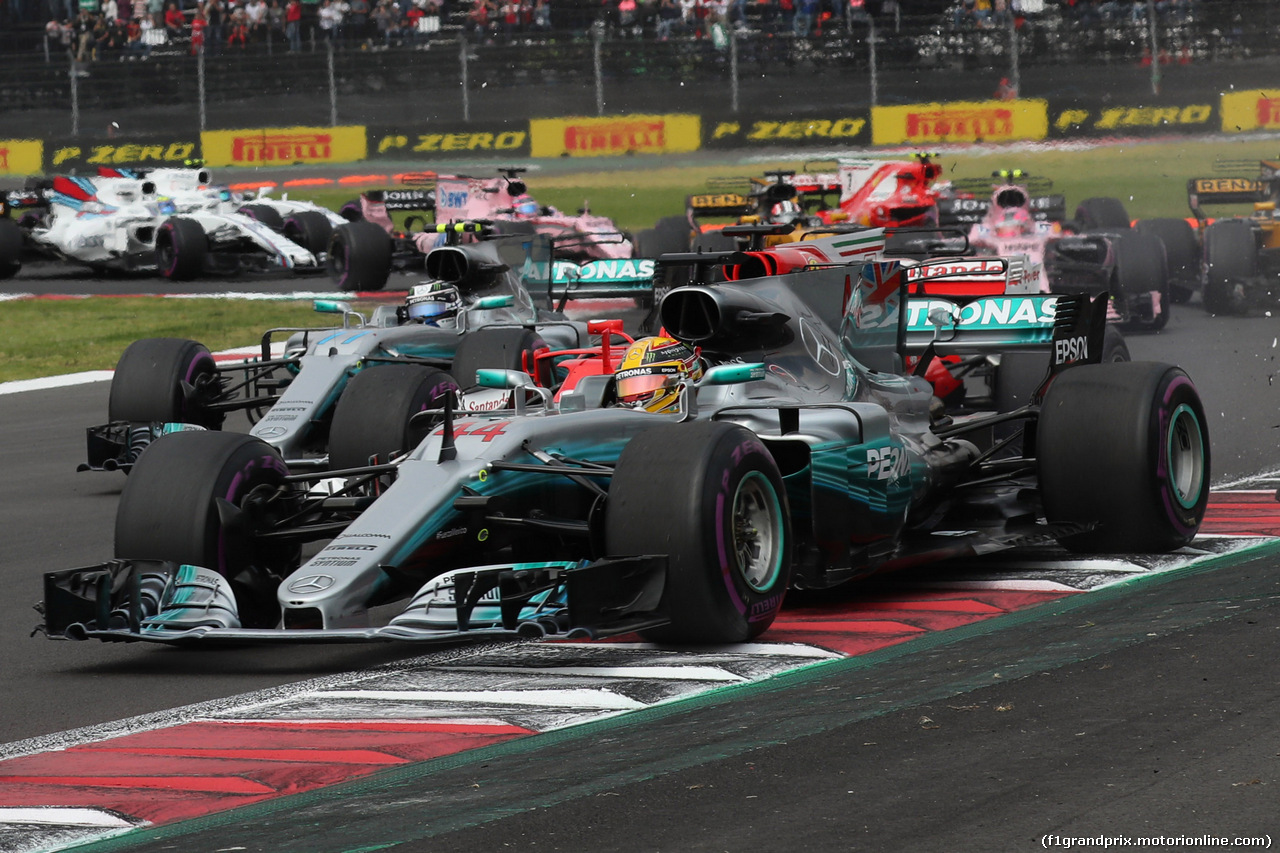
(171, 221)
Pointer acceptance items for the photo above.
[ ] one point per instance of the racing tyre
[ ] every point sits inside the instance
(10, 248)
(674, 233)
(1142, 280)
(1181, 251)
(169, 380)
(200, 498)
(181, 247)
(501, 348)
(264, 213)
(1230, 259)
(360, 256)
(709, 496)
(1124, 447)
(310, 229)
(352, 211)
(372, 415)
(1102, 213)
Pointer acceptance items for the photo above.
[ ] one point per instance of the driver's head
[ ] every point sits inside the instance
(434, 303)
(650, 373)
(786, 212)
(526, 206)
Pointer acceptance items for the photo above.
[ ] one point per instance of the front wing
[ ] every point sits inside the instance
(162, 602)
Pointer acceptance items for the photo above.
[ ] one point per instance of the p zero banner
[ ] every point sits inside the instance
(410, 143)
(82, 155)
(283, 146)
(606, 136)
(21, 156)
(1076, 119)
(1256, 109)
(960, 121)
(821, 131)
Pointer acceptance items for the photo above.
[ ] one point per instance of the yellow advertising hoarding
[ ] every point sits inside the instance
(21, 156)
(600, 137)
(1255, 109)
(960, 121)
(283, 146)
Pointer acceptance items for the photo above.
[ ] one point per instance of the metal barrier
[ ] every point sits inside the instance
(1161, 53)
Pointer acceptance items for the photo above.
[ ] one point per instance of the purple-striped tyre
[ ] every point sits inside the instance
(1123, 449)
(708, 495)
(170, 380)
(181, 246)
(201, 498)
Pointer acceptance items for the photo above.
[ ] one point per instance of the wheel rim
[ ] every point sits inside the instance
(757, 532)
(1185, 452)
(164, 255)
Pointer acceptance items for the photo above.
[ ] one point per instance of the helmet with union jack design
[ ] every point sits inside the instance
(651, 372)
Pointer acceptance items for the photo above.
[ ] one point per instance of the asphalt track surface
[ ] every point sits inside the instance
(1142, 710)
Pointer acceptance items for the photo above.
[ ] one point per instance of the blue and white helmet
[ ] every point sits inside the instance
(434, 303)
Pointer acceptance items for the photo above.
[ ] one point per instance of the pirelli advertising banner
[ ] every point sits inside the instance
(960, 121)
(606, 136)
(852, 128)
(1256, 109)
(283, 146)
(87, 155)
(443, 140)
(21, 156)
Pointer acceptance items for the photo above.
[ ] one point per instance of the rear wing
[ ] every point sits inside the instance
(1226, 190)
(22, 200)
(969, 211)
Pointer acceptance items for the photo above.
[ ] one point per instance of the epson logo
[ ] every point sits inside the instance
(1071, 349)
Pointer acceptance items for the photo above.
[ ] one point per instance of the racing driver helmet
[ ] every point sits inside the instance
(650, 374)
(525, 206)
(434, 303)
(786, 212)
(1014, 222)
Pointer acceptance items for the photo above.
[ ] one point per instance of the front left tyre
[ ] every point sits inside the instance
(709, 496)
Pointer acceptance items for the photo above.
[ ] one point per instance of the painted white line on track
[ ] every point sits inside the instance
(674, 673)
(64, 816)
(604, 700)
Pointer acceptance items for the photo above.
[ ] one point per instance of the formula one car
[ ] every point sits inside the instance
(1096, 252)
(793, 451)
(362, 259)
(309, 402)
(1233, 261)
(168, 220)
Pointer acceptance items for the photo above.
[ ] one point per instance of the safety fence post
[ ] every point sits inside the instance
(200, 84)
(466, 94)
(1155, 47)
(1015, 69)
(871, 47)
(73, 74)
(733, 69)
(333, 89)
(596, 39)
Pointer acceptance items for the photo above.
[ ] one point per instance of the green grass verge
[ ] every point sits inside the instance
(50, 338)
(46, 338)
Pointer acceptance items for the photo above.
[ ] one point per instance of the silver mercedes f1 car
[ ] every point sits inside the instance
(802, 454)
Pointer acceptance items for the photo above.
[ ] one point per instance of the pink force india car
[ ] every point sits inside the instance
(1097, 251)
(362, 257)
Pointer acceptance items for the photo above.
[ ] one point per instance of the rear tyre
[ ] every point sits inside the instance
(360, 256)
(181, 247)
(708, 495)
(310, 229)
(1181, 251)
(372, 415)
(502, 348)
(352, 211)
(10, 248)
(1142, 281)
(1230, 259)
(1124, 447)
(264, 213)
(169, 380)
(1102, 213)
(200, 498)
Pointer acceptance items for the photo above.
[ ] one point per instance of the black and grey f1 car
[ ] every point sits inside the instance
(804, 456)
